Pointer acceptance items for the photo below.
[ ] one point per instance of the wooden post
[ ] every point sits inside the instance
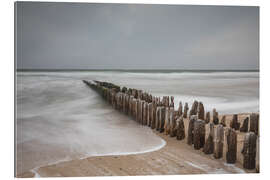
(231, 146)
(201, 111)
(133, 108)
(113, 99)
(180, 128)
(172, 102)
(145, 110)
(153, 122)
(140, 94)
(142, 112)
(234, 123)
(167, 121)
(194, 109)
(130, 109)
(249, 150)
(207, 118)
(218, 141)
(172, 123)
(258, 155)
(124, 101)
(209, 144)
(199, 134)
(215, 116)
(150, 98)
(134, 93)
(149, 114)
(157, 118)
(117, 98)
(124, 89)
(127, 103)
(192, 119)
(254, 123)
(121, 101)
(137, 110)
(180, 109)
(185, 110)
(244, 127)
(162, 119)
(223, 121)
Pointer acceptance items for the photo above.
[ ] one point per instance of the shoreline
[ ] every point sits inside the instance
(176, 158)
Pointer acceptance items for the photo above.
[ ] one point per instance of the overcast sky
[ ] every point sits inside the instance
(117, 36)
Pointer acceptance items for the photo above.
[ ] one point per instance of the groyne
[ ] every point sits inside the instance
(159, 114)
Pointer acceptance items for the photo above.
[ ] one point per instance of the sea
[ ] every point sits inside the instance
(59, 118)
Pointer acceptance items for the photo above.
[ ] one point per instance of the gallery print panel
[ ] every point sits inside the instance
(136, 89)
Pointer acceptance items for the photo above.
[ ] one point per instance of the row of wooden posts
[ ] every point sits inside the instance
(160, 114)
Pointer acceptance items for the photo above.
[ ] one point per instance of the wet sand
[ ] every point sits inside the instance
(175, 158)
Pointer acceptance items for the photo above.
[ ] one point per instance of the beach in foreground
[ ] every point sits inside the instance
(175, 158)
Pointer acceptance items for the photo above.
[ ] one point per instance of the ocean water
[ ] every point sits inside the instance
(59, 118)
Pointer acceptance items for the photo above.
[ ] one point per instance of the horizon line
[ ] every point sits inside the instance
(107, 69)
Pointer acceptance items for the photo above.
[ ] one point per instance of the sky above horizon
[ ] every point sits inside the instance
(129, 36)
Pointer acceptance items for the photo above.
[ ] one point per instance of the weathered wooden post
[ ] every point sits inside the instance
(134, 108)
(223, 121)
(127, 103)
(151, 98)
(201, 111)
(180, 128)
(149, 114)
(142, 115)
(124, 89)
(209, 144)
(157, 118)
(258, 155)
(140, 94)
(185, 110)
(162, 119)
(145, 113)
(244, 127)
(249, 150)
(231, 146)
(121, 97)
(117, 98)
(172, 123)
(153, 123)
(113, 98)
(172, 102)
(124, 102)
(215, 116)
(234, 123)
(192, 119)
(254, 123)
(159, 101)
(218, 141)
(130, 108)
(138, 110)
(194, 109)
(207, 118)
(134, 93)
(199, 134)
(120, 101)
(167, 121)
(180, 109)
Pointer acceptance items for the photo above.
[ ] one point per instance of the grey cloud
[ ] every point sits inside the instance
(73, 35)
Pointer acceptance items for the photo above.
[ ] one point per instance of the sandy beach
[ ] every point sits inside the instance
(175, 158)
